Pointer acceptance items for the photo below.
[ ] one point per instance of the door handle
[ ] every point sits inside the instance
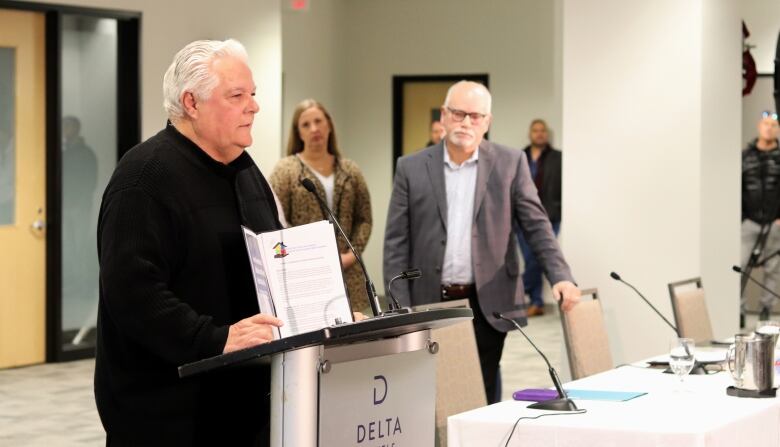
(38, 225)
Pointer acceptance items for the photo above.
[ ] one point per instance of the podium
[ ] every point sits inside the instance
(369, 383)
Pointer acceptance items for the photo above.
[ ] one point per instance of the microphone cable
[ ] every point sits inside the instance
(562, 413)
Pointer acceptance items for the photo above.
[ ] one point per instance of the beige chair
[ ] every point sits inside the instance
(459, 385)
(690, 310)
(585, 334)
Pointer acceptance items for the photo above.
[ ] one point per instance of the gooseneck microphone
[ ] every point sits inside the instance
(750, 278)
(562, 403)
(617, 277)
(406, 274)
(697, 369)
(370, 290)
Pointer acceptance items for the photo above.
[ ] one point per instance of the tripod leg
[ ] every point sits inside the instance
(755, 255)
(771, 265)
(748, 229)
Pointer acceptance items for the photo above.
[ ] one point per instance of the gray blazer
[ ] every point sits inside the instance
(416, 232)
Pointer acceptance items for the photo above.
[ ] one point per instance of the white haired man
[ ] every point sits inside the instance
(175, 282)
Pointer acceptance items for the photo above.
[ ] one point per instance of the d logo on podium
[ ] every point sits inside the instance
(378, 401)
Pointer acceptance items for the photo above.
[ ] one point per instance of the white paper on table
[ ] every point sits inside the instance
(705, 356)
(298, 277)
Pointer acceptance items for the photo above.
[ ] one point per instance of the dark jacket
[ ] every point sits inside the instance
(416, 231)
(548, 180)
(174, 275)
(760, 184)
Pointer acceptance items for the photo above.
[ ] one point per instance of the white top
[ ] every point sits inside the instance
(327, 183)
(460, 182)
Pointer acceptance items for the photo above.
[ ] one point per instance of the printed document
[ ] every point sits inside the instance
(297, 273)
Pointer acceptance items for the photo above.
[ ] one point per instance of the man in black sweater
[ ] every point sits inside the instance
(761, 206)
(175, 281)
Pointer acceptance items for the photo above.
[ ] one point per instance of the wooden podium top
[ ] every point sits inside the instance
(369, 329)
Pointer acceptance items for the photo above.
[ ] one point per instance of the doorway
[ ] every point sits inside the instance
(69, 109)
(22, 188)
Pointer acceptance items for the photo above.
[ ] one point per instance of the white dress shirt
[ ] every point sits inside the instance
(461, 183)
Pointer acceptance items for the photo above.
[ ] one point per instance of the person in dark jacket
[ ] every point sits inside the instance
(175, 279)
(545, 165)
(761, 205)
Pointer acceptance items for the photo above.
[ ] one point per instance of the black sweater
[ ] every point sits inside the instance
(174, 274)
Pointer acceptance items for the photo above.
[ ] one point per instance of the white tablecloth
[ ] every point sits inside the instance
(698, 413)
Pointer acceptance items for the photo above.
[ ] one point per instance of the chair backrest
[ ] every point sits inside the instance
(585, 334)
(690, 310)
(459, 385)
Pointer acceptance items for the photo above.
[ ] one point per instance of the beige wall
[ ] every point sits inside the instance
(314, 60)
(762, 18)
(372, 40)
(652, 174)
(169, 25)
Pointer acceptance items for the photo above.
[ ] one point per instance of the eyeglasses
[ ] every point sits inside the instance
(460, 115)
(768, 114)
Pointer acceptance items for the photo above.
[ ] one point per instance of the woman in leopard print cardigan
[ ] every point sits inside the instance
(313, 153)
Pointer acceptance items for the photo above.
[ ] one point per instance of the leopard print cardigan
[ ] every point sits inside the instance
(351, 205)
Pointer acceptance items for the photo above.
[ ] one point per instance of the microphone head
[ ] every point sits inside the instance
(736, 268)
(309, 185)
(614, 276)
(412, 274)
(498, 315)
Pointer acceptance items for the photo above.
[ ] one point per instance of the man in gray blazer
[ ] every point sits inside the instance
(451, 214)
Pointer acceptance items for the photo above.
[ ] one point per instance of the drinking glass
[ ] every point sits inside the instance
(681, 356)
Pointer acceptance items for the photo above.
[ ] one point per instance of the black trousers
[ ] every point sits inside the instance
(490, 345)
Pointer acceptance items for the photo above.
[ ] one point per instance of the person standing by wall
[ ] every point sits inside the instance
(313, 153)
(544, 162)
(761, 206)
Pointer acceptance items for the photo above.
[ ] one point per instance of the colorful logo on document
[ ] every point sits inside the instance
(281, 250)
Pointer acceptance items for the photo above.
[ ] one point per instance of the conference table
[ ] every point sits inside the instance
(696, 413)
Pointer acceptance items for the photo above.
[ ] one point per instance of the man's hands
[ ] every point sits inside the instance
(567, 293)
(251, 331)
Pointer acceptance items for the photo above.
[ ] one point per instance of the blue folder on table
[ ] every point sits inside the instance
(612, 396)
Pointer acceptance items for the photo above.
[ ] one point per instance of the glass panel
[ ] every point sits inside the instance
(89, 149)
(7, 131)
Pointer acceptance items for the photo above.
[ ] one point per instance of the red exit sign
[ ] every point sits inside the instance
(299, 5)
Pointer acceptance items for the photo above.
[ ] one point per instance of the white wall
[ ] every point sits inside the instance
(314, 61)
(762, 18)
(721, 163)
(763, 21)
(650, 125)
(169, 25)
(510, 40)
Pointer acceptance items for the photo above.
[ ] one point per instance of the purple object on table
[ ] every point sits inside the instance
(535, 394)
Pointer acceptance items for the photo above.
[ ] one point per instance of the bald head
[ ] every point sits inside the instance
(471, 90)
(768, 129)
(466, 116)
